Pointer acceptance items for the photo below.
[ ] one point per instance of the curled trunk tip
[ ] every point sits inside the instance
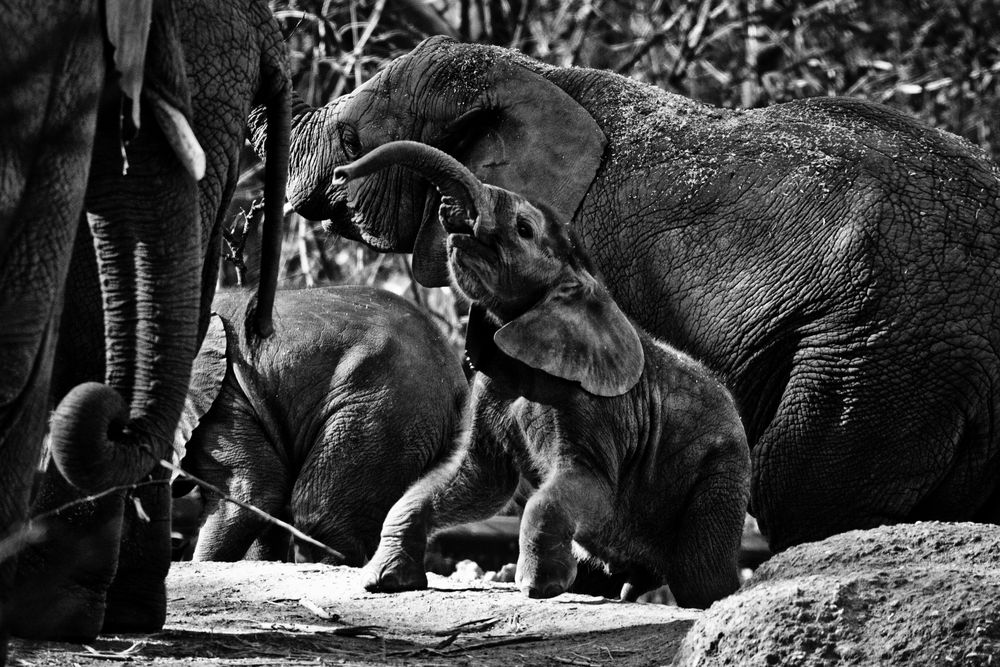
(87, 436)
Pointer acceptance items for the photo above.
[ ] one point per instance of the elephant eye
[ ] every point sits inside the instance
(524, 229)
(349, 141)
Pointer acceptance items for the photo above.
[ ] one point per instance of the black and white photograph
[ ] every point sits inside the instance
(543, 333)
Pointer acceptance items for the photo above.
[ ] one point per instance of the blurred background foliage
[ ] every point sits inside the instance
(938, 60)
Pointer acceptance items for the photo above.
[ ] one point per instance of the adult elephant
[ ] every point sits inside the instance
(96, 111)
(100, 566)
(833, 260)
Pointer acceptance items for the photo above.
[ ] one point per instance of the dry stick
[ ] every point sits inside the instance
(13, 543)
(295, 532)
(522, 639)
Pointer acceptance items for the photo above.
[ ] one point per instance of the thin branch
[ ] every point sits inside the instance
(295, 532)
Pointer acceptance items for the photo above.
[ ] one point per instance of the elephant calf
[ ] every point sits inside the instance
(355, 396)
(637, 453)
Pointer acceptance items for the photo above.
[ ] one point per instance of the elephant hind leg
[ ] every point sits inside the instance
(702, 565)
(231, 451)
(858, 445)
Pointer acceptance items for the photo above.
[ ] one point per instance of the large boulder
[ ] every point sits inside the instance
(915, 594)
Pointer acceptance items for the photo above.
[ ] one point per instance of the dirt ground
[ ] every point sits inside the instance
(252, 613)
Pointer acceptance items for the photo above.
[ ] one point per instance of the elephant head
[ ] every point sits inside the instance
(519, 262)
(492, 111)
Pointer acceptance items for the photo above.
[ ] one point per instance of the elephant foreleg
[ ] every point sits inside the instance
(473, 484)
(565, 503)
(143, 563)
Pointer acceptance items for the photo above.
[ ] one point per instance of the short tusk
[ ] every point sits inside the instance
(179, 134)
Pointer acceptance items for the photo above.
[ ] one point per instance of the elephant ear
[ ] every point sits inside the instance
(207, 374)
(538, 141)
(577, 333)
(522, 133)
(127, 25)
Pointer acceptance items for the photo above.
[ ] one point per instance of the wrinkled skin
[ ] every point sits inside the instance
(66, 128)
(38, 220)
(355, 396)
(637, 453)
(106, 564)
(833, 261)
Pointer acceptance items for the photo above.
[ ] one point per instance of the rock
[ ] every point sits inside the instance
(467, 570)
(914, 594)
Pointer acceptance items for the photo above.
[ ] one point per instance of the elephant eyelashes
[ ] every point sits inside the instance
(349, 140)
(524, 229)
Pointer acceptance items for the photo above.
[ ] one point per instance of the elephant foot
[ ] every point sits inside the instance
(60, 588)
(393, 569)
(135, 604)
(545, 577)
(640, 581)
(49, 605)
(137, 598)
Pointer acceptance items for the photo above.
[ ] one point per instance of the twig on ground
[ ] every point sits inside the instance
(319, 611)
(506, 641)
(570, 661)
(479, 625)
(118, 656)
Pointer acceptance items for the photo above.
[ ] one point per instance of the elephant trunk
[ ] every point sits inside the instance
(312, 156)
(449, 176)
(275, 182)
(147, 235)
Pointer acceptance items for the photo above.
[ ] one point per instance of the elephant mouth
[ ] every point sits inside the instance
(472, 264)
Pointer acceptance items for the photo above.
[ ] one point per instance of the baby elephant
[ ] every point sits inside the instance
(637, 453)
(354, 397)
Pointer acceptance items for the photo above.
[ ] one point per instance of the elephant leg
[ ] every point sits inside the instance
(852, 446)
(137, 596)
(273, 544)
(358, 466)
(52, 67)
(473, 484)
(231, 451)
(701, 563)
(569, 501)
(63, 576)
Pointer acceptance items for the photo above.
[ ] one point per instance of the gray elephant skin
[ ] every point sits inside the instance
(355, 396)
(637, 454)
(832, 260)
(98, 565)
(110, 134)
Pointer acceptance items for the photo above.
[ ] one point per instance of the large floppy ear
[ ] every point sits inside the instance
(519, 131)
(577, 333)
(207, 374)
(532, 138)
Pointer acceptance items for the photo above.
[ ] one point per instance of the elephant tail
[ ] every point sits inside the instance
(276, 92)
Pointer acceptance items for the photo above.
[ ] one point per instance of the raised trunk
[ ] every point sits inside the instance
(447, 174)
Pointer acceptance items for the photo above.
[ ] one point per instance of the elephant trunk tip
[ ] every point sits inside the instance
(85, 430)
(341, 175)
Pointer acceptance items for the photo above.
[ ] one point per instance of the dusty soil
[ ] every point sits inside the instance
(920, 594)
(283, 614)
